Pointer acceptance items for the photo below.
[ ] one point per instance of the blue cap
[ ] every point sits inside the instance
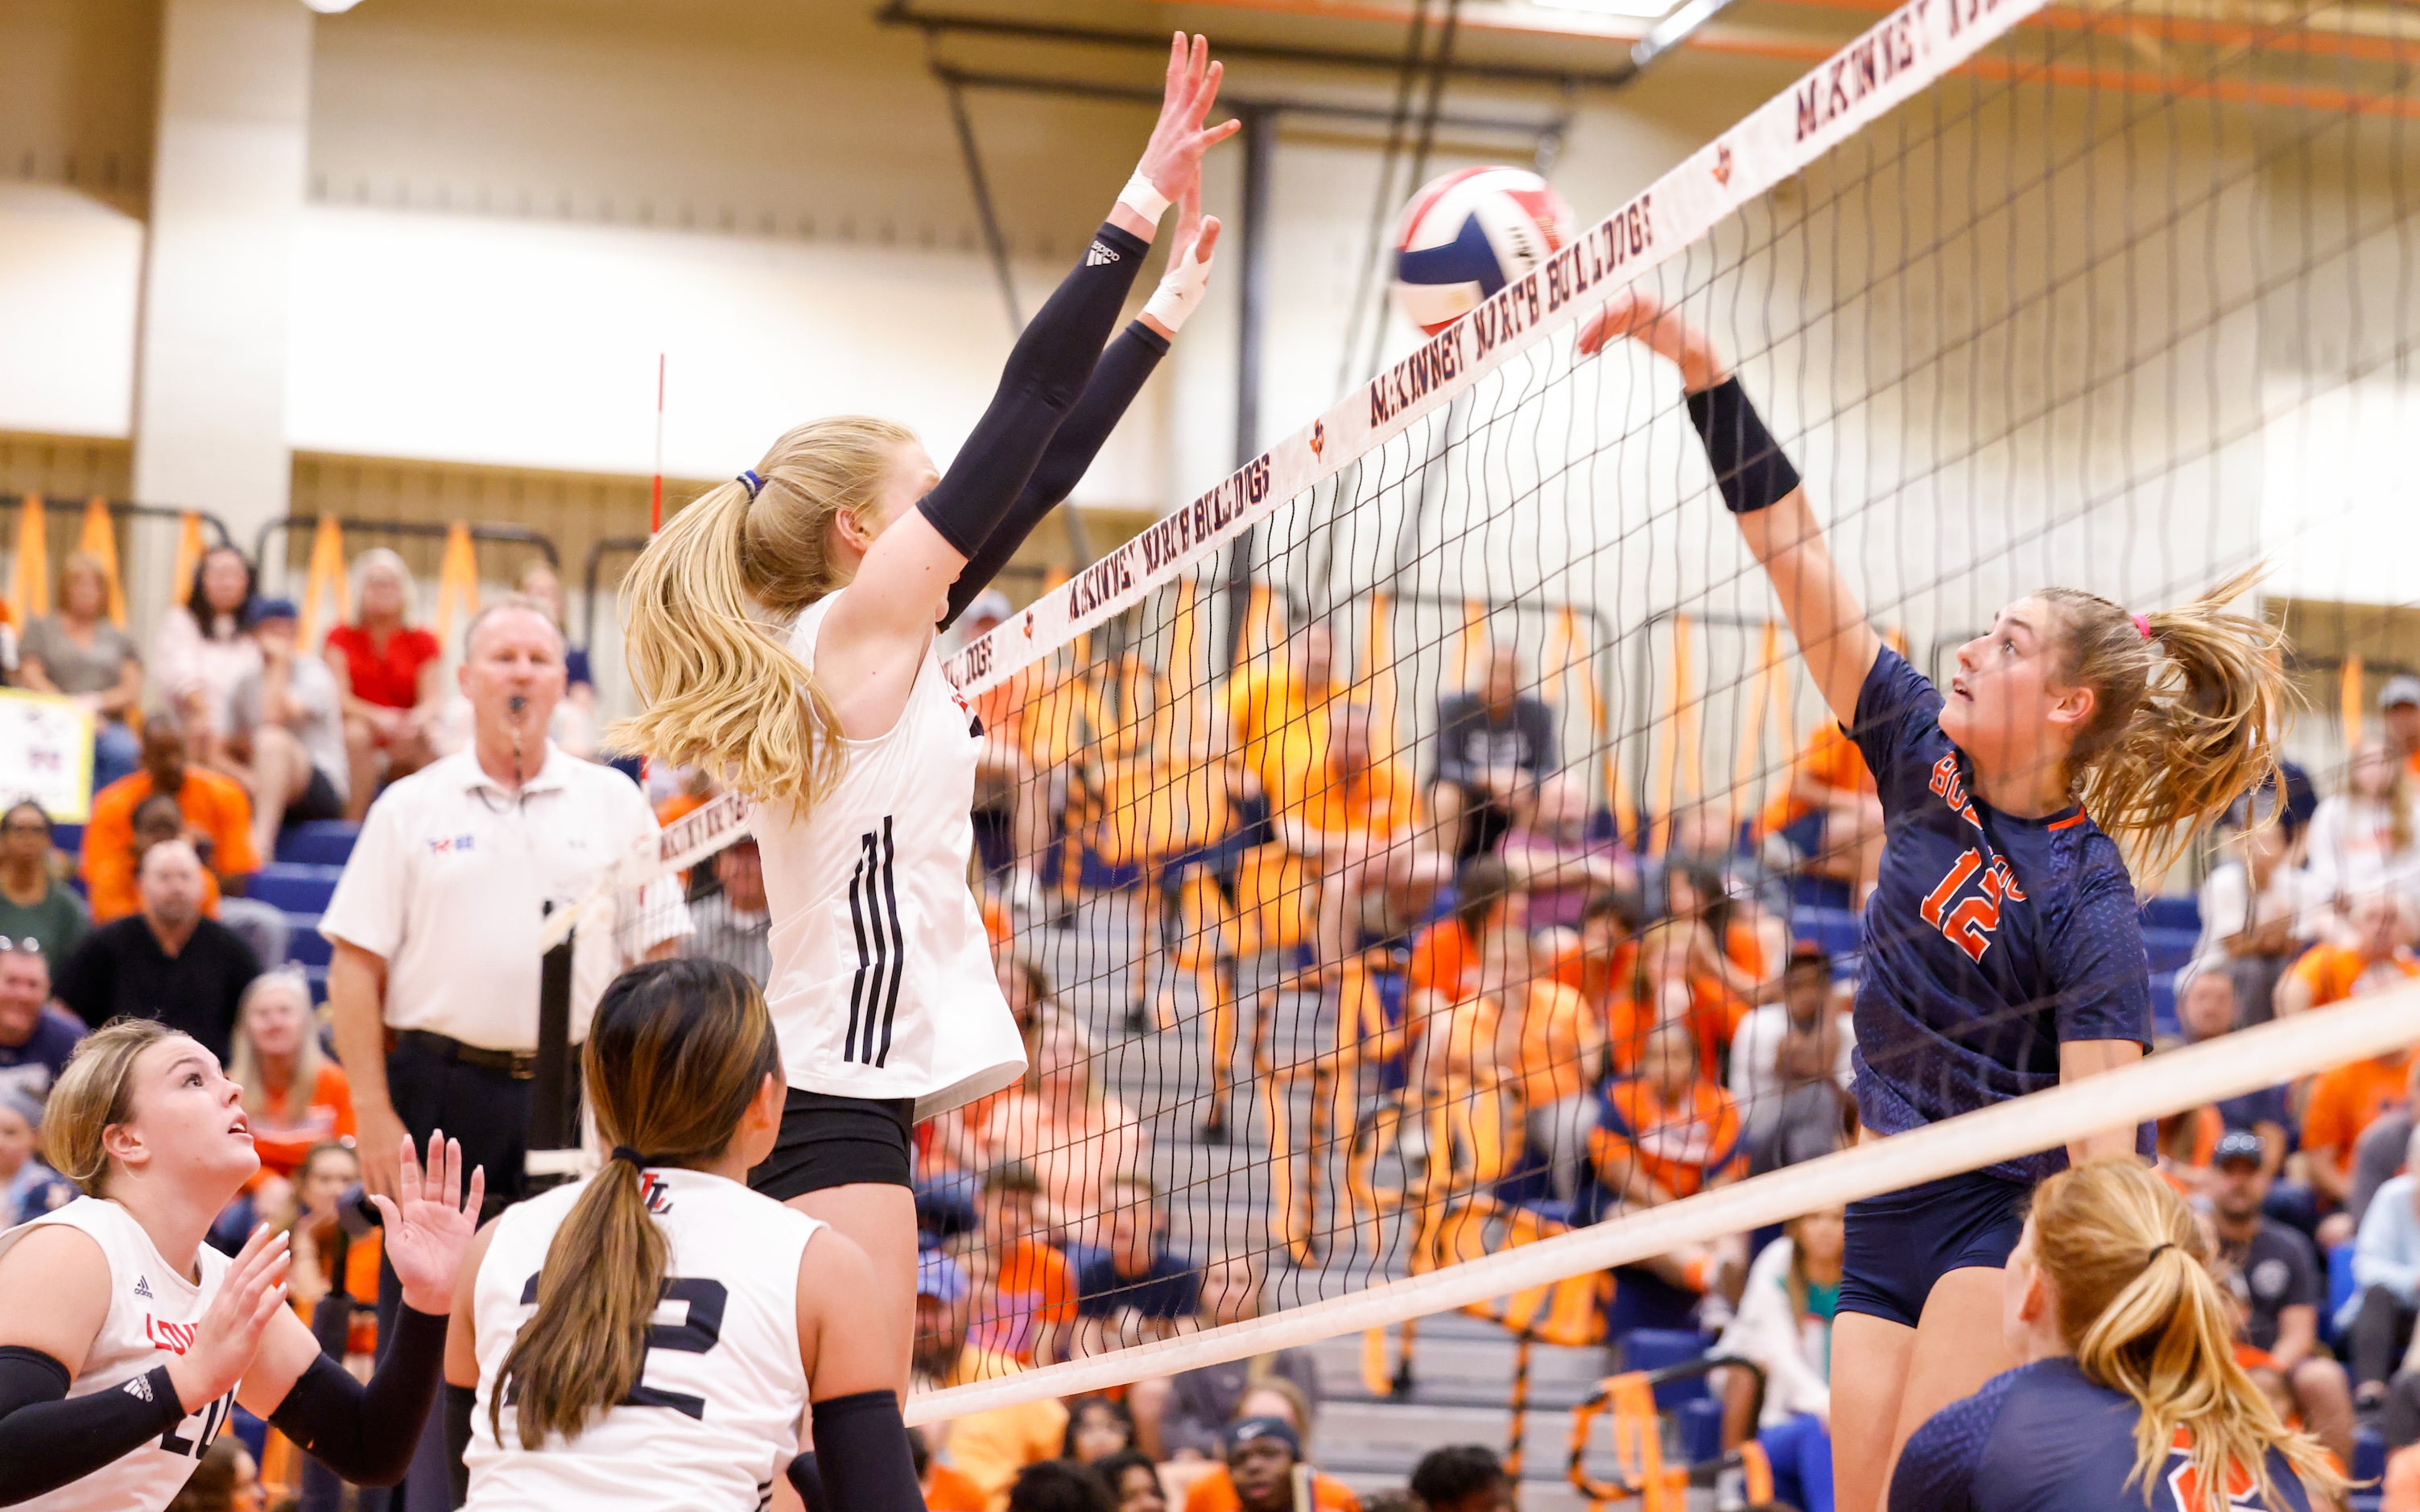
(273, 609)
(2238, 1144)
(940, 1276)
(1244, 1430)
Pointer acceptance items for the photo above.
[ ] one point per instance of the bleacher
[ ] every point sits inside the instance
(1456, 1391)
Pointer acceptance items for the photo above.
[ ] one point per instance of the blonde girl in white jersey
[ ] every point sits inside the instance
(781, 628)
(569, 1383)
(124, 1338)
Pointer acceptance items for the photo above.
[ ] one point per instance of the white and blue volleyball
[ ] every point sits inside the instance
(1466, 235)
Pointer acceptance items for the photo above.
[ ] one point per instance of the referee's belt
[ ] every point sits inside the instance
(521, 1064)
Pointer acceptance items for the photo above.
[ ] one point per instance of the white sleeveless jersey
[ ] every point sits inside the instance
(882, 982)
(714, 1416)
(154, 1310)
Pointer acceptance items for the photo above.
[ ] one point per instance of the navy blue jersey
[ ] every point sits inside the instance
(1991, 939)
(2043, 1438)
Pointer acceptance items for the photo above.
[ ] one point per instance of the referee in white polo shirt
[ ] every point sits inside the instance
(434, 984)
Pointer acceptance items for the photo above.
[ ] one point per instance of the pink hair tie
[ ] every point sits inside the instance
(2143, 624)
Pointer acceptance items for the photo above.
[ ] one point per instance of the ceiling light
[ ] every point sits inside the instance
(332, 8)
(1634, 9)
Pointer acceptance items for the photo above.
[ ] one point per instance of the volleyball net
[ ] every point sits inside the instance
(1352, 837)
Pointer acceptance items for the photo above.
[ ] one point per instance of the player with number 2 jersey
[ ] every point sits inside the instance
(650, 1336)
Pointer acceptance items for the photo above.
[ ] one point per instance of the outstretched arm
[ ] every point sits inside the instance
(1115, 381)
(907, 574)
(1761, 489)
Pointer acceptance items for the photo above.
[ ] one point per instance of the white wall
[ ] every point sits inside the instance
(534, 344)
(69, 265)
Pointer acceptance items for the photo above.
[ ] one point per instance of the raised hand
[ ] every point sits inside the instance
(1645, 318)
(430, 1222)
(229, 1332)
(1172, 161)
(1188, 277)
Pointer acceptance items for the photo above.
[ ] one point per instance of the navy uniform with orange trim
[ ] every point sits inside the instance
(2046, 1438)
(1990, 941)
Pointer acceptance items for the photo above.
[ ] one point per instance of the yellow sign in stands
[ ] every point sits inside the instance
(46, 753)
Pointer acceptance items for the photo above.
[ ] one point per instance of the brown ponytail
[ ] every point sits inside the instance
(717, 679)
(677, 1051)
(2184, 720)
(2137, 1303)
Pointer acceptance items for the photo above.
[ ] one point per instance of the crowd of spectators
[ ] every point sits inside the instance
(1591, 1021)
(228, 731)
(1583, 1020)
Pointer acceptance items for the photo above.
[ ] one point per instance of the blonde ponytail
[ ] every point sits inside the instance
(2187, 705)
(2137, 1303)
(703, 605)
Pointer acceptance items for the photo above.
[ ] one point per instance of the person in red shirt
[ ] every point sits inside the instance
(387, 670)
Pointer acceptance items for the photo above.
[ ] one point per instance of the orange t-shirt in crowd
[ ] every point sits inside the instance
(2346, 1099)
(1829, 757)
(216, 805)
(949, 1491)
(1680, 1147)
(1444, 960)
(284, 1134)
(1554, 1063)
(1600, 982)
(1714, 1015)
(1744, 950)
(1377, 801)
(1035, 1286)
(1216, 1492)
(2331, 972)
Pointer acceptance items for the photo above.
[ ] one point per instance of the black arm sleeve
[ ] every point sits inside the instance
(1112, 387)
(366, 1433)
(1046, 373)
(460, 1402)
(48, 1439)
(862, 1453)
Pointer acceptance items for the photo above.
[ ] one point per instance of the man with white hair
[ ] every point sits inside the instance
(168, 961)
(436, 921)
(436, 928)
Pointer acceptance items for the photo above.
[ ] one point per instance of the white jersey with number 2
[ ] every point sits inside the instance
(714, 1415)
(154, 1310)
(883, 985)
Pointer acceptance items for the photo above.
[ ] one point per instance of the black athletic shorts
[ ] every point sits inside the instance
(835, 1142)
(317, 801)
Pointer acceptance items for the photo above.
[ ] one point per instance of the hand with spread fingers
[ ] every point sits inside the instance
(429, 1222)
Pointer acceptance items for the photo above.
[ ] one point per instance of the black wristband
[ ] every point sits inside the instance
(1748, 463)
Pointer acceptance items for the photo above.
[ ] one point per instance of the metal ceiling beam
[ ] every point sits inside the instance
(904, 13)
(1127, 94)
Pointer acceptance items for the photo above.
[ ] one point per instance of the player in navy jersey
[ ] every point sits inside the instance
(2128, 1392)
(2003, 954)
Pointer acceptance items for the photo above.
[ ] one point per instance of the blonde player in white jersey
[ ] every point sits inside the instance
(781, 628)
(124, 1338)
(650, 1336)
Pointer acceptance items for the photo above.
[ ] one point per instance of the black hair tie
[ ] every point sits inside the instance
(624, 1152)
(2156, 1249)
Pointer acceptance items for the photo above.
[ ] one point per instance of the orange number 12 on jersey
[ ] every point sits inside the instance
(1969, 926)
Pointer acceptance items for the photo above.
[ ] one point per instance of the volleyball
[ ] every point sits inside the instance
(1469, 233)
